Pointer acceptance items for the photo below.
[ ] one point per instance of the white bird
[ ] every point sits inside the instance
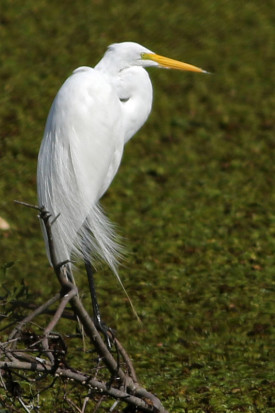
(95, 112)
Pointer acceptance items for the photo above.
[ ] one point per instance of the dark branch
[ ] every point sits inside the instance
(121, 382)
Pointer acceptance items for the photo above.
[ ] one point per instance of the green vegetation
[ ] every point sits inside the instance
(194, 197)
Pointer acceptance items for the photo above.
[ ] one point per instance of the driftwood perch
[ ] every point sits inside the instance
(34, 357)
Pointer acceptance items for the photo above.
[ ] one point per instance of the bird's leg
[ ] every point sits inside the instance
(89, 270)
(97, 317)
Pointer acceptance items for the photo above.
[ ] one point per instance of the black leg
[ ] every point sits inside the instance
(97, 317)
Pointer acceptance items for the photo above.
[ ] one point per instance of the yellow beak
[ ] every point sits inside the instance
(171, 63)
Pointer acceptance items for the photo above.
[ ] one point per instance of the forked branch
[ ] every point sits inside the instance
(46, 353)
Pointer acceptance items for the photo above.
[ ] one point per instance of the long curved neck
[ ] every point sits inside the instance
(134, 90)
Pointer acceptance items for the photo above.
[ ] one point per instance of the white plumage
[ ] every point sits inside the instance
(95, 112)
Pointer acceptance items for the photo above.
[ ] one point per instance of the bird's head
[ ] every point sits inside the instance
(120, 56)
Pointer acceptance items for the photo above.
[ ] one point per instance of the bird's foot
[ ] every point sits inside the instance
(108, 333)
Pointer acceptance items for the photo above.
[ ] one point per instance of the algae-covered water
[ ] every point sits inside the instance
(193, 199)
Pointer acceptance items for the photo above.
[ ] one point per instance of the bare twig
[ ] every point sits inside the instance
(122, 384)
(17, 330)
(65, 299)
(26, 204)
(127, 360)
(99, 403)
(86, 381)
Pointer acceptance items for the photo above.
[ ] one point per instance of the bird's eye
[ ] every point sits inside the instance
(123, 100)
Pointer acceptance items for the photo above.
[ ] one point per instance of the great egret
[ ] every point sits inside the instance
(93, 115)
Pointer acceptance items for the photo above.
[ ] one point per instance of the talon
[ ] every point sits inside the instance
(106, 331)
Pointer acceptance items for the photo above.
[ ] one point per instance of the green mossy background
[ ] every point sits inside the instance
(193, 199)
